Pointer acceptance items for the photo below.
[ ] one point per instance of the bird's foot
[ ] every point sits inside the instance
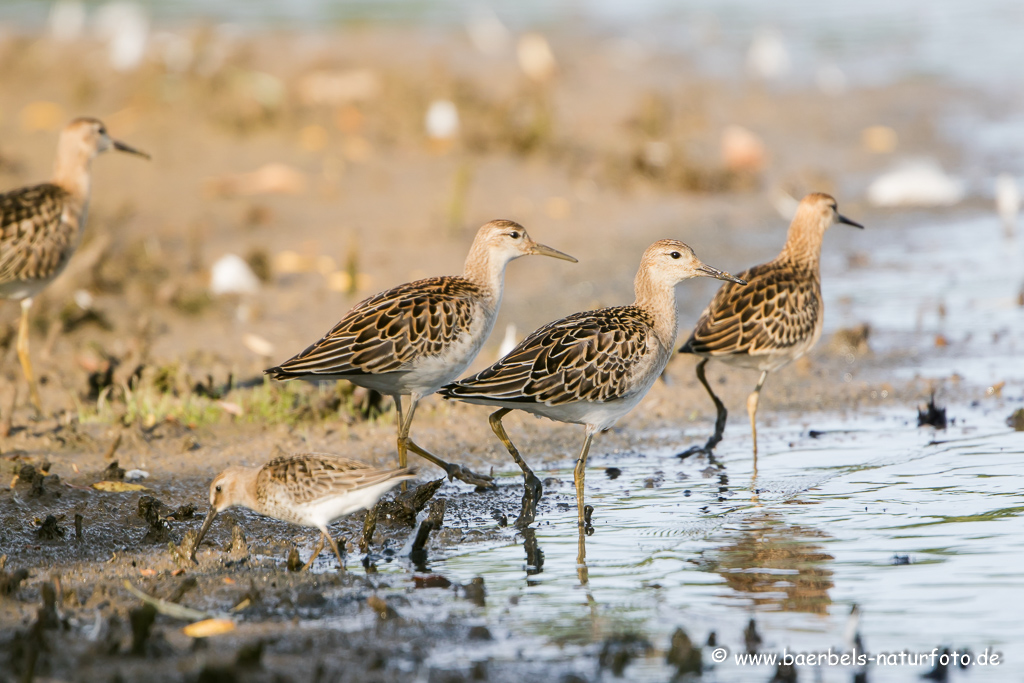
(481, 481)
(694, 450)
(533, 490)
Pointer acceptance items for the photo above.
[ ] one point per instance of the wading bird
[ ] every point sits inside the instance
(775, 318)
(415, 338)
(589, 368)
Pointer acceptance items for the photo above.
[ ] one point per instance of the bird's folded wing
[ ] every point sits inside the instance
(387, 331)
(777, 309)
(33, 238)
(588, 356)
(308, 477)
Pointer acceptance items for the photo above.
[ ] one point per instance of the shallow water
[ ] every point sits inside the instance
(920, 529)
(830, 516)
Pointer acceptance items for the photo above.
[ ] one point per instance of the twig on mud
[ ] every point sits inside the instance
(169, 608)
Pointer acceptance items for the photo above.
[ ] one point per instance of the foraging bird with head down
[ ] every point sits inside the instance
(589, 368)
(41, 226)
(308, 489)
(775, 318)
(415, 338)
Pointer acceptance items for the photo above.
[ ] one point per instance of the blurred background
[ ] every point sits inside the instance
(307, 154)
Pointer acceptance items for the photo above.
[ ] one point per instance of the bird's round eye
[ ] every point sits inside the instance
(217, 489)
(675, 254)
(514, 235)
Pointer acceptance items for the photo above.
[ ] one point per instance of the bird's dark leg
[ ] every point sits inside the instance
(720, 417)
(533, 488)
(453, 471)
(403, 434)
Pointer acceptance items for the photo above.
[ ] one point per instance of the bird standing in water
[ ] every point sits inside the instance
(308, 489)
(775, 318)
(589, 368)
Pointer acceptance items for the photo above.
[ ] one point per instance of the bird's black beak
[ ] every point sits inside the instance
(709, 271)
(121, 147)
(840, 218)
(202, 532)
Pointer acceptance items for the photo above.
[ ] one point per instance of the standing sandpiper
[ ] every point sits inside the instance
(590, 368)
(41, 226)
(308, 489)
(776, 318)
(417, 337)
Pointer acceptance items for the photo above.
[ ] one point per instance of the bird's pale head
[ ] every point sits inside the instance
(508, 240)
(86, 137)
(819, 211)
(229, 488)
(671, 261)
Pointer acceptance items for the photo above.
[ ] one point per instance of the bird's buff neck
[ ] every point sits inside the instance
(72, 171)
(485, 270)
(659, 300)
(803, 243)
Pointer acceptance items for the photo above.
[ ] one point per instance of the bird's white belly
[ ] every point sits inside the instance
(601, 415)
(426, 375)
(23, 289)
(327, 509)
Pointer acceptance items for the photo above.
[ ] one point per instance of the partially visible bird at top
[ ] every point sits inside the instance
(41, 226)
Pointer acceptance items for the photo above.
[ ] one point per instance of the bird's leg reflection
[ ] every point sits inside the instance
(581, 559)
(534, 555)
(753, 482)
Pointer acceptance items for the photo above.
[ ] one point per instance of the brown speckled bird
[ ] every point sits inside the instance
(41, 226)
(417, 337)
(589, 368)
(775, 318)
(308, 489)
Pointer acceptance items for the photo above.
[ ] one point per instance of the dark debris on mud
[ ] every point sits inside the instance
(65, 612)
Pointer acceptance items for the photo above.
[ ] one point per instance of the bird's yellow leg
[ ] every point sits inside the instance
(579, 477)
(25, 358)
(752, 410)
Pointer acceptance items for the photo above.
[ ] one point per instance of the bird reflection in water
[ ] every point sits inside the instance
(776, 565)
(534, 555)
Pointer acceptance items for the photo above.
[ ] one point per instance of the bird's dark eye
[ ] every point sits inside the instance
(675, 254)
(217, 489)
(514, 235)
